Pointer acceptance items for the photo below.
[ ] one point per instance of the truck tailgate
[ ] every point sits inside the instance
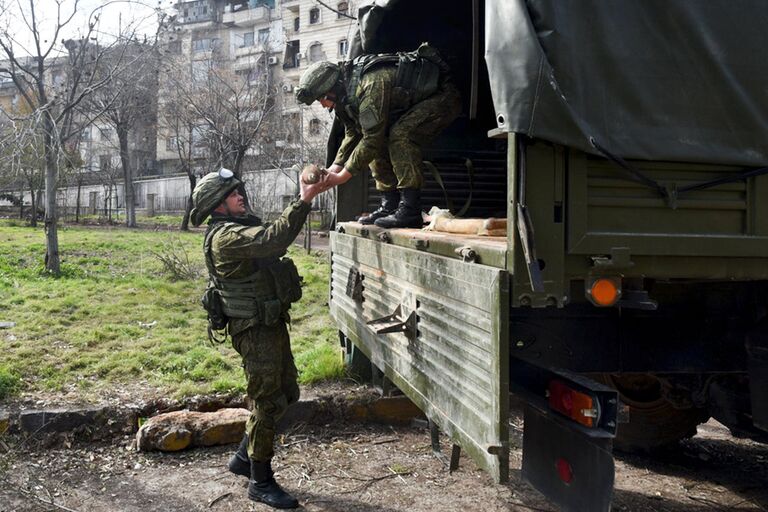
(453, 360)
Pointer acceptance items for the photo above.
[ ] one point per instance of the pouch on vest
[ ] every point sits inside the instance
(418, 76)
(287, 281)
(273, 312)
(217, 319)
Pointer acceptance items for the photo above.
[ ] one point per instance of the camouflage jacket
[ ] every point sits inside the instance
(245, 245)
(365, 136)
(237, 248)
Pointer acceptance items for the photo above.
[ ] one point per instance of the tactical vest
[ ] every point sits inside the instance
(418, 75)
(264, 295)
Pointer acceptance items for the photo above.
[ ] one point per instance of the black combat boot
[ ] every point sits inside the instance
(239, 463)
(389, 200)
(408, 213)
(263, 487)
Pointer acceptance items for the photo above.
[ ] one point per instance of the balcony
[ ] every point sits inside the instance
(246, 17)
(245, 51)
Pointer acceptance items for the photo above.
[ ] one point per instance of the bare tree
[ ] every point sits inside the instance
(54, 77)
(128, 104)
(22, 159)
(211, 111)
(178, 121)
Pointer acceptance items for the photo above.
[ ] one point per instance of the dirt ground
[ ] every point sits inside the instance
(367, 468)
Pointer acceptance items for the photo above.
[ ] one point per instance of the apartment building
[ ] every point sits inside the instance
(313, 33)
(277, 39)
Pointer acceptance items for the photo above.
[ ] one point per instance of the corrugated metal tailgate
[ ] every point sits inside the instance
(456, 367)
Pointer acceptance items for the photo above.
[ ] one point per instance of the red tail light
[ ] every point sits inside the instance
(564, 470)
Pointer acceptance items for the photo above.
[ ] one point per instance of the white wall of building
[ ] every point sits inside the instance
(269, 191)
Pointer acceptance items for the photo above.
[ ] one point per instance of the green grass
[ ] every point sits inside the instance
(9, 383)
(116, 319)
(171, 221)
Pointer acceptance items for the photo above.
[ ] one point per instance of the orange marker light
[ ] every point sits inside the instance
(578, 406)
(604, 291)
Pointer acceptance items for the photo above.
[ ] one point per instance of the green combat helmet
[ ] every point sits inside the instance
(317, 80)
(210, 191)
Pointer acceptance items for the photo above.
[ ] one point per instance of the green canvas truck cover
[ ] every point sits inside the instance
(676, 80)
(681, 80)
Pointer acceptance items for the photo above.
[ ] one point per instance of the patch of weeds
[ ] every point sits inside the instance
(399, 469)
(10, 382)
(229, 385)
(175, 261)
(319, 363)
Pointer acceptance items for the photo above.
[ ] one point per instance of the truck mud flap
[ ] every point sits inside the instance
(573, 470)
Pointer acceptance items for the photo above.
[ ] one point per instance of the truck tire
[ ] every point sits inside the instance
(653, 420)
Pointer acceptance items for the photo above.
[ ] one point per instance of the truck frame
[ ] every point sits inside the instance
(626, 305)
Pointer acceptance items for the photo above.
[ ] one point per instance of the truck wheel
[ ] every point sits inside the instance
(653, 421)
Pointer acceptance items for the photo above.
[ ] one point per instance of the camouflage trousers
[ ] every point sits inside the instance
(271, 375)
(400, 164)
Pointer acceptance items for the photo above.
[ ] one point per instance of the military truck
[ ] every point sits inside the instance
(624, 143)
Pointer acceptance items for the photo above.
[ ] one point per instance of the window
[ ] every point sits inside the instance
(296, 23)
(247, 39)
(86, 135)
(201, 45)
(105, 163)
(314, 126)
(106, 134)
(316, 53)
(171, 143)
(343, 48)
(263, 35)
(204, 44)
(343, 9)
(291, 59)
(314, 16)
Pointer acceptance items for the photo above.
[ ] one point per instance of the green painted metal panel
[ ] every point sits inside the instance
(607, 210)
(455, 368)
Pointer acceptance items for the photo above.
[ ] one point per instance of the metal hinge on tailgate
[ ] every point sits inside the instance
(395, 323)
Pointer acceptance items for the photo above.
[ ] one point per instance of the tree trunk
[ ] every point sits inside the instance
(21, 204)
(239, 156)
(77, 202)
(52, 261)
(188, 208)
(130, 207)
(33, 217)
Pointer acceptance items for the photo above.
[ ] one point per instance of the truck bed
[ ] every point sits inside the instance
(487, 250)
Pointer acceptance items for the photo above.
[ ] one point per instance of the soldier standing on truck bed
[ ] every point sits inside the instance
(391, 105)
(250, 291)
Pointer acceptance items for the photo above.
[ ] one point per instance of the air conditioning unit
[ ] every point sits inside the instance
(288, 88)
(272, 61)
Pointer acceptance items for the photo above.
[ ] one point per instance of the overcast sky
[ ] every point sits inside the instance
(114, 16)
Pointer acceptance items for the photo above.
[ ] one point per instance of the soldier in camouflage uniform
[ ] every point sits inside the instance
(391, 105)
(243, 259)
